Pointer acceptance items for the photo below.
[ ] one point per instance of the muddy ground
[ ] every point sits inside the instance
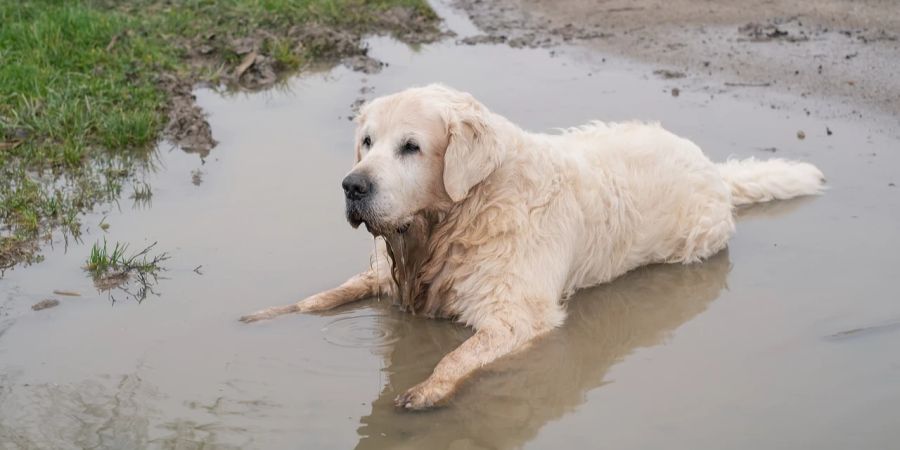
(258, 69)
(841, 49)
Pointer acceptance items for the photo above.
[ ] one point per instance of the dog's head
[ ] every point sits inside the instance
(420, 150)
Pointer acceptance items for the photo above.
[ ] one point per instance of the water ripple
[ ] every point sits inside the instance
(365, 331)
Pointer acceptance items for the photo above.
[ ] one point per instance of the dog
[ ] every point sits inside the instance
(493, 226)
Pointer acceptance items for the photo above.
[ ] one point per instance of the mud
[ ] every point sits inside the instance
(188, 127)
(837, 49)
(786, 340)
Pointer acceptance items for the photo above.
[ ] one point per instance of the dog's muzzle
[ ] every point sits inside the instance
(358, 190)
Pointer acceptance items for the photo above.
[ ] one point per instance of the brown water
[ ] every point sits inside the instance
(787, 340)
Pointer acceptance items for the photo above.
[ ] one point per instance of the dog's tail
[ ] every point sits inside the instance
(754, 181)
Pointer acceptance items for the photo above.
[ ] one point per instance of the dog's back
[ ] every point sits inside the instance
(650, 196)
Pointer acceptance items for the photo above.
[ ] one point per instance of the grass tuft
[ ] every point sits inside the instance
(111, 267)
(105, 260)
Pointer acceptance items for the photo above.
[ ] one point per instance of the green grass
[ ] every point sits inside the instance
(82, 98)
(113, 268)
(105, 260)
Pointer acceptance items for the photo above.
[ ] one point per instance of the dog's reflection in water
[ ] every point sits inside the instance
(514, 397)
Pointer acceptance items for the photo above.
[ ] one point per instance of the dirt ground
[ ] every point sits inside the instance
(846, 50)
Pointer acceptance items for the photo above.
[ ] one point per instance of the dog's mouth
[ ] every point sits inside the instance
(379, 229)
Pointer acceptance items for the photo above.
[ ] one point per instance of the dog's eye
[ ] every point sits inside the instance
(367, 142)
(409, 147)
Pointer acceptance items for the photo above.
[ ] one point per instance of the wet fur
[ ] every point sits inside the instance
(504, 225)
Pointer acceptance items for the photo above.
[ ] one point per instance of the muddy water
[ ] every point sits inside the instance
(787, 340)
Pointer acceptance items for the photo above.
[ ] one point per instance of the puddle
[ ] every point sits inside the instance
(731, 353)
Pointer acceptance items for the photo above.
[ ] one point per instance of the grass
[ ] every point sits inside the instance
(112, 267)
(84, 98)
(104, 260)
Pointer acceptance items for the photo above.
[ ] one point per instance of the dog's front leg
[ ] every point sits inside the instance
(357, 288)
(486, 345)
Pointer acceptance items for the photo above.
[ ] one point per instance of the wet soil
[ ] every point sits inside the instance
(786, 340)
(840, 49)
(258, 69)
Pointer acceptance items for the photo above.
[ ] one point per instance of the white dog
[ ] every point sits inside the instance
(495, 227)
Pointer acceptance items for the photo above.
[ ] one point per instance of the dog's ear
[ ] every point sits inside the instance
(473, 151)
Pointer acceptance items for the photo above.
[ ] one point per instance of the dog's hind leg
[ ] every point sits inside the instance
(359, 287)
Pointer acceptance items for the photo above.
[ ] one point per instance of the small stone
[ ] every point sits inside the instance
(676, 92)
(801, 135)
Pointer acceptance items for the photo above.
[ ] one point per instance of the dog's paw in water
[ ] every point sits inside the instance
(255, 317)
(424, 395)
(269, 313)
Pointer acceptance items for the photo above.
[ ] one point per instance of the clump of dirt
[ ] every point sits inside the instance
(326, 42)
(187, 127)
(410, 26)
(196, 177)
(867, 36)
(668, 74)
(483, 39)
(111, 280)
(528, 38)
(14, 251)
(364, 63)
(360, 101)
(45, 304)
(569, 32)
(255, 71)
(356, 105)
(756, 32)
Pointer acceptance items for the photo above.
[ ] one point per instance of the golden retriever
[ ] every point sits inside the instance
(496, 227)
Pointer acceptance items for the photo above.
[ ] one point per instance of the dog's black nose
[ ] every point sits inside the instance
(357, 186)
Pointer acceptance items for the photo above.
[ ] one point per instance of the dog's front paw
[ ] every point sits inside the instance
(423, 396)
(257, 316)
(269, 313)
